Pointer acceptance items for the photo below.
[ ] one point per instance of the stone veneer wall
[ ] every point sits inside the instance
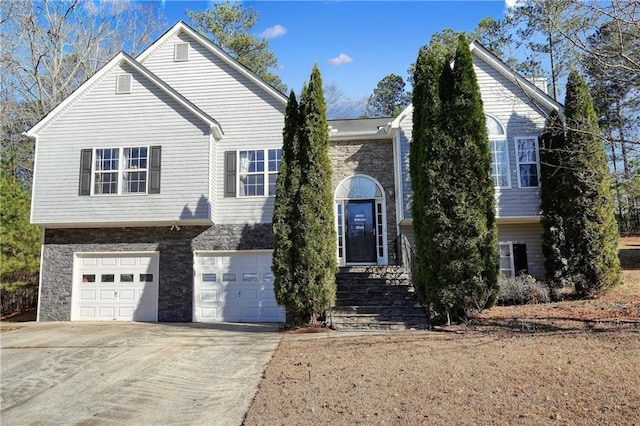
(175, 292)
(373, 158)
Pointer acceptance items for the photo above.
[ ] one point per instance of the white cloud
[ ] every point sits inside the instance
(510, 3)
(274, 32)
(342, 58)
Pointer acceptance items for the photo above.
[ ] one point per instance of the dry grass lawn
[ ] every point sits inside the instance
(572, 362)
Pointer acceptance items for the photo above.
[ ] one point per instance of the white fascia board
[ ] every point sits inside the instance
(352, 136)
(407, 111)
(530, 88)
(211, 47)
(117, 60)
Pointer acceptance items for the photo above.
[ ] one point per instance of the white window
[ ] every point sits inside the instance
(527, 158)
(500, 163)
(256, 178)
(499, 153)
(506, 259)
(120, 171)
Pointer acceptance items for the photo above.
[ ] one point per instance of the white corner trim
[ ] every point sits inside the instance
(211, 47)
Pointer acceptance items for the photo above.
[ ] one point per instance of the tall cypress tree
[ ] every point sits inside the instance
(591, 229)
(426, 114)
(454, 203)
(553, 187)
(314, 234)
(285, 211)
(304, 258)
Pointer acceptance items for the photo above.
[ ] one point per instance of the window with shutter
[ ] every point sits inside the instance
(116, 171)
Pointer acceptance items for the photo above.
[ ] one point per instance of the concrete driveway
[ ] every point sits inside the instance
(131, 373)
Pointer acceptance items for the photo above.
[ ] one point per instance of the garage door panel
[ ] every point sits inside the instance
(244, 285)
(88, 295)
(128, 295)
(116, 287)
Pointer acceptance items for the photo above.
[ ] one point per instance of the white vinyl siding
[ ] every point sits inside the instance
(100, 118)
(250, 117)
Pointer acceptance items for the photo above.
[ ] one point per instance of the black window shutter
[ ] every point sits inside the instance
(154, 170)
(85, 172)
(520, 262)
(230, 174)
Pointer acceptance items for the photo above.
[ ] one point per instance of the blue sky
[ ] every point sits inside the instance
(354, 43)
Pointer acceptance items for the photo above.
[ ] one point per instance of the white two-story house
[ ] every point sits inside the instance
(154, 184)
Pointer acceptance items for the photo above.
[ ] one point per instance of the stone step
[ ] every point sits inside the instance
(376, 298)
(406, 311)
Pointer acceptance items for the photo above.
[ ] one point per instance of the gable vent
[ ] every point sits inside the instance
(123, 83)
(181, 53)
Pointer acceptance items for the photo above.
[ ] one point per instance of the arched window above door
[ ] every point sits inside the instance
(358, 187)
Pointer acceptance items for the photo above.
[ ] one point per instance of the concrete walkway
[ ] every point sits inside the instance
(131, 373)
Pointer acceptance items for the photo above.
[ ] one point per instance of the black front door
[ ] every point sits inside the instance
(360, 238)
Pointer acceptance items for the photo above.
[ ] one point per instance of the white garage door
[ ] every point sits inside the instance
(235, 287)
(115, 287)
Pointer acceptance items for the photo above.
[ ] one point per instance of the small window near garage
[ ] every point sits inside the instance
(249, 277)
(268, 277)
(123, 84)
(229, 277)
(209, 278)
(146, 278)
(88, 278)
(126, 278)
(107, 278)
(181, 52)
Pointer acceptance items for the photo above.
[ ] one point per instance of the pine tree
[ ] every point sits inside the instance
(591, 229)
(553, 186)
(454, 203)
(304, 259)
(285, 211)
(20, 260)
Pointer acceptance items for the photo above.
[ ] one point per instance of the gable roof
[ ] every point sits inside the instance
(123, 58)
(501, 67)
(182, 27)
(528, 87)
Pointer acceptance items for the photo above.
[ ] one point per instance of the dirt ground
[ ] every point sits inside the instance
(570, 362)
